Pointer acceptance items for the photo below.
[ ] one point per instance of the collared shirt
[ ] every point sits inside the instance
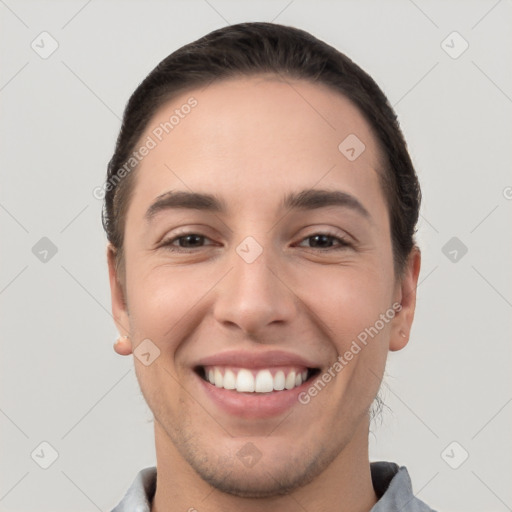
(391, 483)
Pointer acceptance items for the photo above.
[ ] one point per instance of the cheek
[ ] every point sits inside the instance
(347, 299)
(163, 298)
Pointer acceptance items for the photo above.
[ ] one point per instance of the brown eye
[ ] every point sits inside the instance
(326, 241)
(185, 242)
(188, 241)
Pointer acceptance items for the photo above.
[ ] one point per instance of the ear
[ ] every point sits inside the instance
(406, 295)
(119, 306)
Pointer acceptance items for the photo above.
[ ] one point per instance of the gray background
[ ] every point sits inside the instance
(61, 381)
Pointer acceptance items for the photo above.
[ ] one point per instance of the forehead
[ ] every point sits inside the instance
(251, 139)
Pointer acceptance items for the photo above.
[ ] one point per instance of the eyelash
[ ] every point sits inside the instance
(343, 243)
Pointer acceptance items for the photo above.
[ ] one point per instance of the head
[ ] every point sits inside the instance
(299, 239)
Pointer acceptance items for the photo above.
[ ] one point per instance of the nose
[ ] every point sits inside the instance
(255, 295)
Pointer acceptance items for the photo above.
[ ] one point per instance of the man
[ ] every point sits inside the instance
(260, 208)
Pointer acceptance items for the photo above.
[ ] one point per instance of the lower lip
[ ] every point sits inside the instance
(253, 405)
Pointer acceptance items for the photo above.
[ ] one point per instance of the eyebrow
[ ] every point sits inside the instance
(308, 199)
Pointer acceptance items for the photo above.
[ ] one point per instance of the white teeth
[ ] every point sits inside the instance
(279, 381)
(264, 382)
(245, 381)
(290, 381)
(229, 380)
(250, 381)
(218, 378)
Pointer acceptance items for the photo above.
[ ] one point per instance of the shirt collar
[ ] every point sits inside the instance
(393, 487)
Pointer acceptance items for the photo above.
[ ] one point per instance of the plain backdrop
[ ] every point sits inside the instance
(448, 394)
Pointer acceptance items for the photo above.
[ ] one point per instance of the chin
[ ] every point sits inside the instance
(276, 472)
(265, 482)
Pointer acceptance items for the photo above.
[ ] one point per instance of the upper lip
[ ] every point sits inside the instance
(252, 359)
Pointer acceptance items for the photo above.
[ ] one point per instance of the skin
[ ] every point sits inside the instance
(251, 141)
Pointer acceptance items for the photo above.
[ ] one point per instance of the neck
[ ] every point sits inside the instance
(345, 485)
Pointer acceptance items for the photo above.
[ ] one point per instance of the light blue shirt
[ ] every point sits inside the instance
(391, 483)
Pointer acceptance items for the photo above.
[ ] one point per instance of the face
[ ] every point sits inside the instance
(263, 285)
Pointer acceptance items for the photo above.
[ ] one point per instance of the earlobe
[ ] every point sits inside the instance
(123, 346)
(407, 297)
(119, 309)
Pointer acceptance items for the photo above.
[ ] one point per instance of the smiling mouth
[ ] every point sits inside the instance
(256, 380)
